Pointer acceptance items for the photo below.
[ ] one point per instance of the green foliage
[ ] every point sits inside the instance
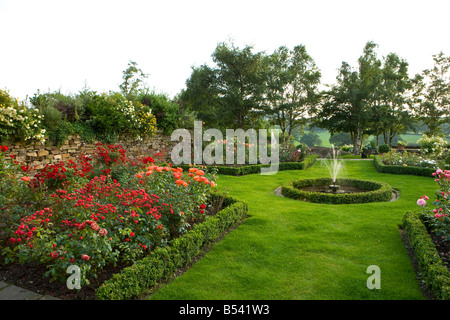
(383, 148)
(292, 88)
(311, 139)
(374, 191)
(133, 78)
(340, 139)
(52, 118)
(230, 94)
(431, 97)
(165, 111)
(19, 123)
(347, 106)
(433, 147)
(432, 269)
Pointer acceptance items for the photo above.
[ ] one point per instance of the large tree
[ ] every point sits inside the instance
(392, 115)
(233, 89)
(292, 82)
(431, 100)
(348, 105)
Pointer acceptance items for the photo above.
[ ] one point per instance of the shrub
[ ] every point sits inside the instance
(347, 148)
(432, 147)
(19, 123)
(165, 111)
(383, 148)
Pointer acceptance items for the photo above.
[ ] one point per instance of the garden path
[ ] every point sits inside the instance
(12, 292)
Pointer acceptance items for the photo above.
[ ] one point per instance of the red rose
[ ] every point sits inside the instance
(85, 257)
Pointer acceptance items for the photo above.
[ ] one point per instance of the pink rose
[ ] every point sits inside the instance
(85, 257)
(103, 232)
(421, 202)
(95, 226)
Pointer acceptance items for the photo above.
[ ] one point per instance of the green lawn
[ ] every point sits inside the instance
(292, 250)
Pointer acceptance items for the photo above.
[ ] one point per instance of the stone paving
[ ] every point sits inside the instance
(12, 292)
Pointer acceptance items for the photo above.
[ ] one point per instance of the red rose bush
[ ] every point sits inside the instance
(104, 209)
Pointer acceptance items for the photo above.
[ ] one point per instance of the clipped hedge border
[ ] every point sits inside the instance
(378, 191)
(256, 168)
(434, 272)
(161, 263)
(417, 171)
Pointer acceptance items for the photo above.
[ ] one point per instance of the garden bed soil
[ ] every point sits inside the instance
(30, 276)
(443, 247)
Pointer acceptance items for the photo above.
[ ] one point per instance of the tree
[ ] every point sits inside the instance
(311, 139)
(133, 78)
(340, 139)
(348, 104)
(233, 89)
(201, 95)
(431, 99)
(292, 83)
(392, 116)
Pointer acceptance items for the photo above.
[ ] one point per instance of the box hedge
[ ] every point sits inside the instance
(161, 263)
(375, 191)
(256, 168)
(435, 274)
(418, 171)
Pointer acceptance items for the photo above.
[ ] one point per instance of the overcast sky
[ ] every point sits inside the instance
(63, 45)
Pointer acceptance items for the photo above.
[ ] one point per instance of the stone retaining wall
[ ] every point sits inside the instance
(38, 155)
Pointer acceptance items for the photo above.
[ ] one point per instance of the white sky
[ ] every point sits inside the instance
(61, 44)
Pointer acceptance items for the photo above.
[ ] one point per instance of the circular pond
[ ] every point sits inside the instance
(344, 191)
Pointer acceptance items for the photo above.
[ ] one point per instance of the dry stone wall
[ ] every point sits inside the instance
(38, 155)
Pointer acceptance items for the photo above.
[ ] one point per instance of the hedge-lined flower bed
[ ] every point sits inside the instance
(428, 232)
(163, 262)
(430, 263)
(376, 191)
(99, 211)
(256, 168)
(397, 169)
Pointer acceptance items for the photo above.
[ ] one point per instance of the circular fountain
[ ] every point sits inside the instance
(335, 190)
